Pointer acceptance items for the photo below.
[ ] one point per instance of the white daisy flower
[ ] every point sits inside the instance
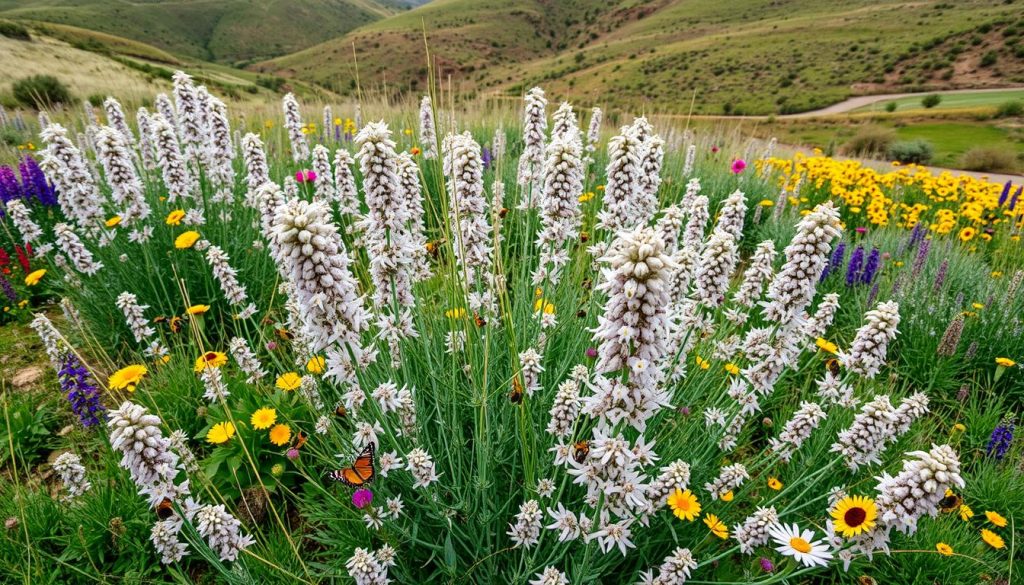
(800, 545)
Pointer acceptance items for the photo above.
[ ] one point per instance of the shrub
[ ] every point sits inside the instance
(13, 30)
(869, 140)
(40, 91)
(890, 107)
(96, 99)
(1010, 109)
(911, 151)
(988, 159)
(989, 59)
(931, 100)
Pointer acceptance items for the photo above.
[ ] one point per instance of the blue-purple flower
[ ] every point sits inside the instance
(871, 267)
(1002, 437)
(856, 263)
(81, 391)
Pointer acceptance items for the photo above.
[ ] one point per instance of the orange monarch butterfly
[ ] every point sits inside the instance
(360, 473)
(165, 509)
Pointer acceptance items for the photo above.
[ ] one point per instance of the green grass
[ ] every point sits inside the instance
(950, 101)
(952, 139)
(228, 31)
(659, 55)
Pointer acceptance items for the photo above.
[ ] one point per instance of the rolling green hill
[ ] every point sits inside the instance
(747, 56)
(228, 31)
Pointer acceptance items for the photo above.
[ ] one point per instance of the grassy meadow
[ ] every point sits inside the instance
(506, 342)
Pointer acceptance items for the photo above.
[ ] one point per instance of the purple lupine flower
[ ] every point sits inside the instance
(9, 188)
(871, 267)
(337, 133)
(1002, 437)
(1016, 196)
(81, 392)
(362, 498)
(896, 284)
(940, 276)
(8, 289)
(1005, 193)
(766, 565)
(835, 262)
(922, 256)
(34, 182)
(873, 294)
(856, 262)
(917, 234)
(486, 157)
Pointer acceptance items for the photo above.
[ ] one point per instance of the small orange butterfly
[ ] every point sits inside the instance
(360, 473)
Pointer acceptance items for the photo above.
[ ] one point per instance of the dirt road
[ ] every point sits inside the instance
(866, 100)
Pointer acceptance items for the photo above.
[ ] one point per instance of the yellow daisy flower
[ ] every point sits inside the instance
(34, 277)
(288, 381)
(684, 505)
(316, 365)
(992, 539)
(127, 377)
(186, 240)
(220, 433)
(774, 483)
(944, 549)
(716, 526)
(280, 435)
(197, 309)
(113, 221)
(263, 419)
(995, 518)
(175, 217)
(854, 515)
(210, 359)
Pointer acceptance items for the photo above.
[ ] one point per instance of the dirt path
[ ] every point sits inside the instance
(866, 100)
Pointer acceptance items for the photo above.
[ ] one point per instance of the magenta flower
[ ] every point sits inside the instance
(361, 498)
(306, 176)
(861, 230)
(766, 565)
(292, 454)
(592, 353)
(714, 149)
(271, 345)
(738, 165)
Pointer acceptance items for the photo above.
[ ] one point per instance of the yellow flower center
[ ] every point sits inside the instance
(800, 545)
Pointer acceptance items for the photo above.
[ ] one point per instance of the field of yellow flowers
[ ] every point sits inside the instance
(414, 346)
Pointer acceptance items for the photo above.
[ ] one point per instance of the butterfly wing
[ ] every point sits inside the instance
(360, 473)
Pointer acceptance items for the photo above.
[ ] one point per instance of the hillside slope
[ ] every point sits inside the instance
(228, 31)
(748, 56)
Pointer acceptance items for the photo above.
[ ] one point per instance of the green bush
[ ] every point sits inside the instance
(13, 30)
(989, 59)
(869, 140)
(1010, 109)
(41, 91)
(988, 159)
(911, 151)
(890, 107)
(931, 100)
